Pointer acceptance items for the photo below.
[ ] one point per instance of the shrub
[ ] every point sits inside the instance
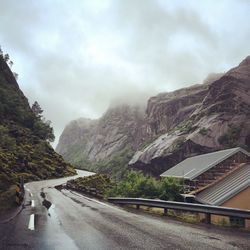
(203, 131)
(137, 185)
(170, 189)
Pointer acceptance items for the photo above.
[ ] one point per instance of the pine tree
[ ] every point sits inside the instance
(42, 127)
(37, 110)
(6, 57)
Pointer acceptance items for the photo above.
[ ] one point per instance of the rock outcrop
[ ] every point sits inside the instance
(217, 117)
(119, 131)
(167, 110)
(186, 122)
(75, 132)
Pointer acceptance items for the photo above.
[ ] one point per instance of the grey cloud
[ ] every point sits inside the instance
(151, 29)
(159, 49)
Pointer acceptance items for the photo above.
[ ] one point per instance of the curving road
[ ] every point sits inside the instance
(78, 222)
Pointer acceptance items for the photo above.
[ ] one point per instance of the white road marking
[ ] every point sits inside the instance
(32, 203)
(28, 189)
(31, 194)
(96, 201)
(32, 222)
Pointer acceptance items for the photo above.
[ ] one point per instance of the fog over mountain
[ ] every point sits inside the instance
(78, 57)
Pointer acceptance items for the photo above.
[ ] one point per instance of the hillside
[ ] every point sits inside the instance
(105, 144)
(175, 125)
(24, 147)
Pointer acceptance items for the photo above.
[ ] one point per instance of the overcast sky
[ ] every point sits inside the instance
(77, 57)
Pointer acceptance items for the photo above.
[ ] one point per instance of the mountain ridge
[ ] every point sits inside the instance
(119, 130)
(189, 121)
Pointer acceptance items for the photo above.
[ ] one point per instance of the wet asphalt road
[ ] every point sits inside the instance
(78, 222)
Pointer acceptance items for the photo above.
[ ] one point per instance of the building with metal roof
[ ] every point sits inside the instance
(227, 187)
(192, 167)
(221, 178)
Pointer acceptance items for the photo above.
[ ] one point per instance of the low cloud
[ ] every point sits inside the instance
(78, 57)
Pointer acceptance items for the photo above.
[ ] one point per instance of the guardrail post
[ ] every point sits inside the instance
(165, 211)
(208, 218)
(207, 210)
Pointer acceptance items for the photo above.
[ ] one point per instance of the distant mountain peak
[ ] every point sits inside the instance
(197, 119)
(245, 62)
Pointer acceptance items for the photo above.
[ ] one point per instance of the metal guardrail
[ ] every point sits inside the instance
(189, 207)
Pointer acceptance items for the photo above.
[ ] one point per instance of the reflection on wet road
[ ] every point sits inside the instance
(67, 220)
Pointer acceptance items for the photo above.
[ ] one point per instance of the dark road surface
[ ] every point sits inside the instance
(78, 222)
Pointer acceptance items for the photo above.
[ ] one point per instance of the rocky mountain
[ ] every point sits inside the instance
(205, 118)
(175, 125)
(24, 148)
(104, 143)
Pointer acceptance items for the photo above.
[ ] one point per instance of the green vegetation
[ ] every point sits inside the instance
(94, 185)
(177, 145)
(76, 157)
(13, 104)
(203, 131)
(117, 166)
(41, 127)
(23, 154)
(24, 139)
(184, 216)
(136, 184)
(7, 199)
(186, 126)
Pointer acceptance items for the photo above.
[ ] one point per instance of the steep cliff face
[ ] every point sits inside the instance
(77, 131)
(23, 151)
(167, 110)
(176, 125)
(217, 117)
(118, 132)
(119, 127)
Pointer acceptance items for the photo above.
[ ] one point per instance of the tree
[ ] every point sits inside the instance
(42, 127)
(6, 58)
(137, 185)
(11, 64)
(6, 142)
(170, 189)
(37, 110)
(43, 130)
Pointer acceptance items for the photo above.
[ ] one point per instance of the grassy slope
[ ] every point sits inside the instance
(117, 166)
(22, 152)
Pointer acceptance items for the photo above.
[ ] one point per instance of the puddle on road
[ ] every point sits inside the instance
(56, 238)
(52, 214)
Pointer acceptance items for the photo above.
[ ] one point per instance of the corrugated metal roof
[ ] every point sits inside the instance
(194, 166)
(226, 188)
